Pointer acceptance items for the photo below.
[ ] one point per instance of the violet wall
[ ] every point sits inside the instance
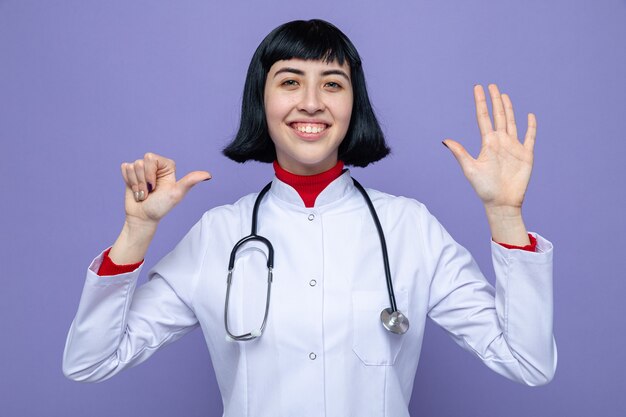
(85, 85)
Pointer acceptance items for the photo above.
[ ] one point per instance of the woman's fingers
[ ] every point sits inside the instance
(140, 175)
(142, 187)
(132, 181)
(123, 169)
(511, 127)
(482, 112)
(531, 133)
(502, 107)
(499, 116)
(150, 170)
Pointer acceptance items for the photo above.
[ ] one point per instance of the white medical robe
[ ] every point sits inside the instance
(324, 351)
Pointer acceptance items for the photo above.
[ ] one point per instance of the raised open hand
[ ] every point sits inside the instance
(501, 172)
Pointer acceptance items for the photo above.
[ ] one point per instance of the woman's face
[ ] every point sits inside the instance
(308, 105)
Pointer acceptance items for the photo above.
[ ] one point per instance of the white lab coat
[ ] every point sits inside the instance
(324, 351)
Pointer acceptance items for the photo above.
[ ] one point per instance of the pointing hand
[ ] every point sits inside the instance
(151, 187)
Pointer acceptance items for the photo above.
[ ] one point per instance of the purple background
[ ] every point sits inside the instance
(85, 85)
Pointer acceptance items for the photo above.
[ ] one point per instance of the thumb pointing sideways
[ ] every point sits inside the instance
(191, 179)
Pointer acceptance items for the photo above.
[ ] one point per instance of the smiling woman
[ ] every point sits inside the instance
(305, 43)
(308, 105)
(320, 339)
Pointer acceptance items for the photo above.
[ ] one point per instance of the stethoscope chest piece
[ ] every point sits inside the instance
(394, 321)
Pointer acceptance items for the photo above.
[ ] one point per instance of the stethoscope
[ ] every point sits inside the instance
(391, 318)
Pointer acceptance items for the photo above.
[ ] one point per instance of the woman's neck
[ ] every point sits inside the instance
(309, 186)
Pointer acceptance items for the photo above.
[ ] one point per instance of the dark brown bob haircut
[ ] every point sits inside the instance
(315, 39)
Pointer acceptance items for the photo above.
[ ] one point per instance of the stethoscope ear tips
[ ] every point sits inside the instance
(394, 321)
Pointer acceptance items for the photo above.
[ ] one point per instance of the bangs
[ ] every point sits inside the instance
(308, 40)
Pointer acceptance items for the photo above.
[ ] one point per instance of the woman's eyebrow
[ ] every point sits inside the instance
(290, 70)
(336, 72)
(324, 73)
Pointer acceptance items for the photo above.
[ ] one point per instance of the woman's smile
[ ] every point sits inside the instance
(309, 130)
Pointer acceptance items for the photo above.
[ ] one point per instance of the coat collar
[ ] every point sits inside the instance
(336, 190)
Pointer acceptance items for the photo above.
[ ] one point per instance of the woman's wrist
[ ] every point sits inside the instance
(133, 242)
(507, 225)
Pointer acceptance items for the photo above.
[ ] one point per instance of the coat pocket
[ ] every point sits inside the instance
(372, 343)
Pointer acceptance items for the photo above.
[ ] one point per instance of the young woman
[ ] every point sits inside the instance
(323, 314)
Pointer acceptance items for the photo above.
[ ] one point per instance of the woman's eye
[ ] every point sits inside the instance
(333, 85)
(290, 82)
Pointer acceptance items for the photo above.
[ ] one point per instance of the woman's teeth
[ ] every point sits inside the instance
(309, 128)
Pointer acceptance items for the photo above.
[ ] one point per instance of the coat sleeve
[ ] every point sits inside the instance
(508, 327)
(119, 325)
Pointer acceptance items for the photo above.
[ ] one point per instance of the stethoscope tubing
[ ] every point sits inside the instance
(253, 235)
(393, 320)
(270, 267)
(383, 244)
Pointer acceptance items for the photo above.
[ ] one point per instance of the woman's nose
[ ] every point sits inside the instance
(312, 101)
